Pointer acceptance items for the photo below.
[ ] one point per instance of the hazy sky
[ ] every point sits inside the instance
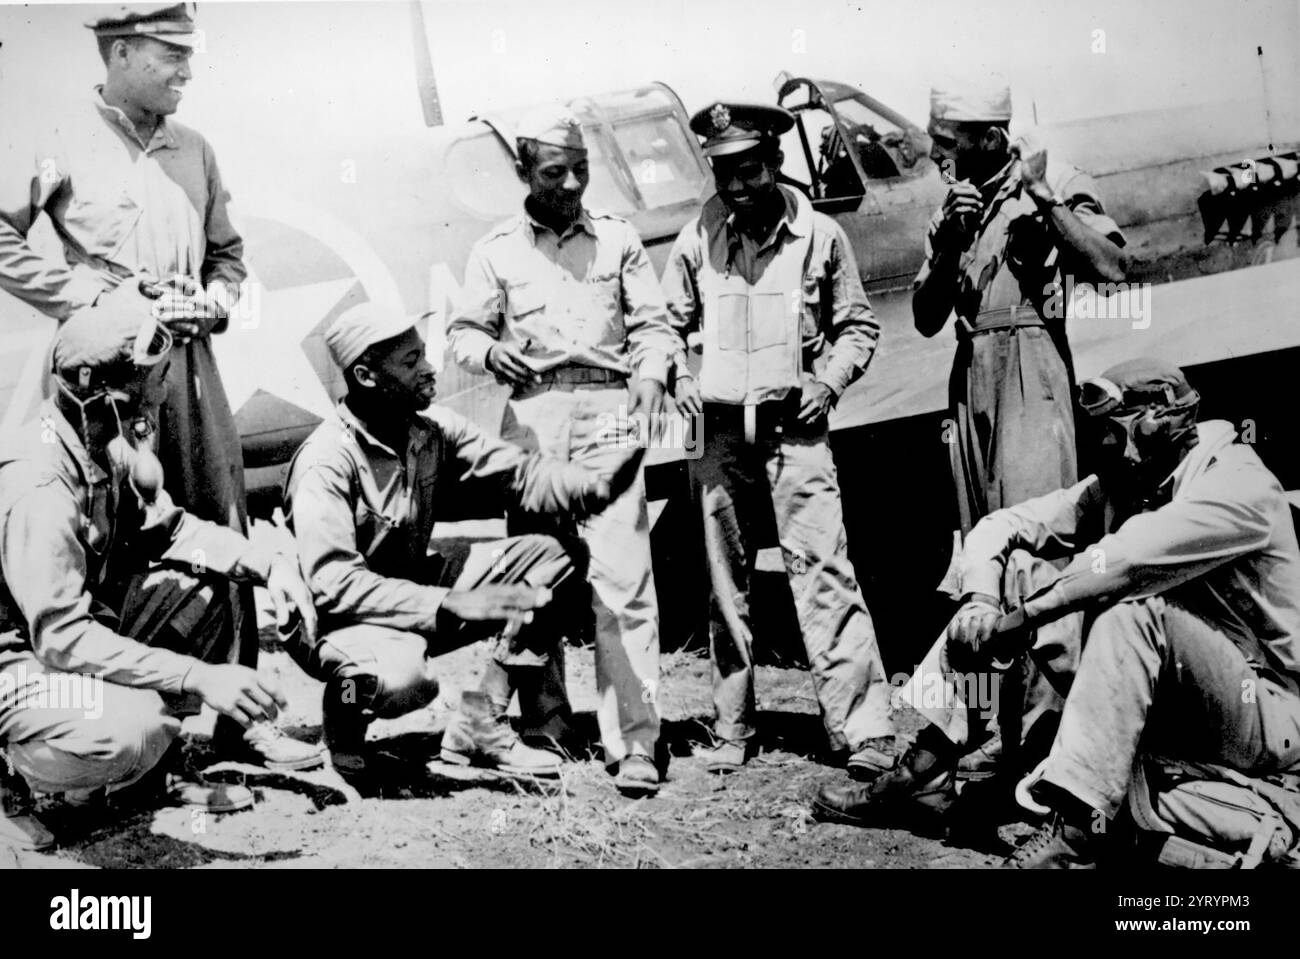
(277, 76)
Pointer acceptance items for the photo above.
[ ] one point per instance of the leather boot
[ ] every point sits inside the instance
(344, 728)
(480, 734)
(921, 784)
(19, 827)
(1056, 845)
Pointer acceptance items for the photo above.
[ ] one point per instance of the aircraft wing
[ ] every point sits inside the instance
(1189, 322)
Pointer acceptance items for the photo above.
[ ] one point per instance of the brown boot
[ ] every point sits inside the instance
(480, 734)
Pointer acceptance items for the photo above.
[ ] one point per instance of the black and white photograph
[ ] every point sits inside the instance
(578, 435)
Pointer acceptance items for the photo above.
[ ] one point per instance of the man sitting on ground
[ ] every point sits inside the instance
(1183, 589)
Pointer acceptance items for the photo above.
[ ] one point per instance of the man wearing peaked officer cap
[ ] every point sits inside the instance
(1011, 230)
(167, 22)
(734, 128)
(362, 496)
(150, 206)
(773, 290)
(102, 577)
(561, 304)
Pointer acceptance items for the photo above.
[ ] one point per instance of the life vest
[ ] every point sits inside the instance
(751, 332)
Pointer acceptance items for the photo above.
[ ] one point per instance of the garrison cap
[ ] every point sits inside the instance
(977, 99)
(361, 327)
(169, 22)
(735, 127)
(553, 124)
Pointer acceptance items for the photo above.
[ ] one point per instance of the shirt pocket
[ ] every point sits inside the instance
(771, 317)
(604, 321)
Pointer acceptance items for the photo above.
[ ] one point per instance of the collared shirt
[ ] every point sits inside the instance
(1223, 547)
(71, 536)
(1015, 258)
(362, 512)
(119, 206)
(586, 298)
(836, 308)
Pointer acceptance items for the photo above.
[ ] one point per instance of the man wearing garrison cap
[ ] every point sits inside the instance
(561, 304)
(1162, 592)
(107, 588)
(773, 291)
(362, 496)
(1013, 226)
(132, 193)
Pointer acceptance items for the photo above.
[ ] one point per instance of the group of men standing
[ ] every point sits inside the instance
(137, 462)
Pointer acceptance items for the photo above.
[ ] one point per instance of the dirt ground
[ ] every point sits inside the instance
(755, 818)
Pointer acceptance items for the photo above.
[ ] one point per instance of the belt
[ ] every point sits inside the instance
(579, 375)
(1007, 318)
(755, 420)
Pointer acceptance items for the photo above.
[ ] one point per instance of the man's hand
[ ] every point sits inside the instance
(1033, 170)
(506, 362)
(186, 308)
(975, 623)
(816, 400)
(687, 394)
(649, 399)
(236, 691)
(289, 594)
(962, 209)
(512, 606)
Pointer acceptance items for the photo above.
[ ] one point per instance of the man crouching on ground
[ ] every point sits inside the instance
(103, 578)
(362, 496)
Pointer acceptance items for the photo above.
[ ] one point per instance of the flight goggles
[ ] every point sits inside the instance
(1099, 396)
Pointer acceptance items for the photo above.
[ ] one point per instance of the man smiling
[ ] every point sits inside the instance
(362, 496)
(131, 193)
(561, 303)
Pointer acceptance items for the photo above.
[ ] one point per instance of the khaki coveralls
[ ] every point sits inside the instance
(1011, 389)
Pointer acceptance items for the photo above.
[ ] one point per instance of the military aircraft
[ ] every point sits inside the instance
(1206, 196)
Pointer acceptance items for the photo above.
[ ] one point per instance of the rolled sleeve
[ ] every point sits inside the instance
(1079, 193)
